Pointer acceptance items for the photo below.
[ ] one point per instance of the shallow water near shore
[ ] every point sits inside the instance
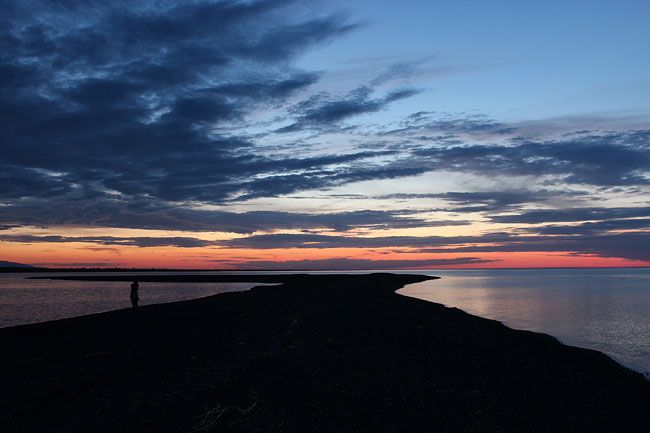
(606, 309)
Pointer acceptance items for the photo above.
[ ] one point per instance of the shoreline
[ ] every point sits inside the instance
(316, 353)
(279, 278)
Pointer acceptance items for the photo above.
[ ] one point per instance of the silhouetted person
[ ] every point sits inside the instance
(134, 294)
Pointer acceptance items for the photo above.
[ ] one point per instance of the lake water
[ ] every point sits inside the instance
(24, 301)
(602, 309)
(606, 309)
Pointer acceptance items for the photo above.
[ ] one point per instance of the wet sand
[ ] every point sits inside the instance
(319, 353)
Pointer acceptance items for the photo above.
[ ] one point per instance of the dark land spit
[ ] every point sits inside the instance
(321, 353)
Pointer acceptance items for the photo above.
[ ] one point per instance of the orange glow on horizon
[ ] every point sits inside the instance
(63, 255)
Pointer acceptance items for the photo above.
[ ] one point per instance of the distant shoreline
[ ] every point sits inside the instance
(28, 269)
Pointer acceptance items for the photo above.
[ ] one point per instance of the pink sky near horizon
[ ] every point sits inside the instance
(233, 259)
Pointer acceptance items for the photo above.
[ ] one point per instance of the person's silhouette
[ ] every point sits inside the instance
(134, 294)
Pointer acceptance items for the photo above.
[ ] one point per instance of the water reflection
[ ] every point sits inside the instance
(25, 301)
(603, 309)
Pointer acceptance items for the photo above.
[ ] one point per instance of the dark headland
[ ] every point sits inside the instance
(325, 353)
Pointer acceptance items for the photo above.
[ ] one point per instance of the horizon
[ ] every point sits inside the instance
(34, 268)
(258, 135)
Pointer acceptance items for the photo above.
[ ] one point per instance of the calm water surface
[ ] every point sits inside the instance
(602, 309)
(25, 301)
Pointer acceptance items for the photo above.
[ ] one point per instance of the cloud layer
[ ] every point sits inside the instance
(174, 115)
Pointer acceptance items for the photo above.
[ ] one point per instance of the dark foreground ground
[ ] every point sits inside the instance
(318, 354)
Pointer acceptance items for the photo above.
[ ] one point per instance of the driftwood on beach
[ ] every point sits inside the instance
(317, 353)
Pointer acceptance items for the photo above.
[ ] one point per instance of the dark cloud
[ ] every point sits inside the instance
(607, 160)
(327, 177)
(8, 227)
(600, 227)
(155, 216)
(284, 241)
(357, 264)
(324, 110)
(180, 242)
(626, 245)
(21, 182)
(404, 69)
(119, 103)
(445, 126)
(572, 215)
(79, 264)
(101, 249)
(630, 246)
(124, 97)
(496, 200)
(152, 216)
(488, 201)
(341, 221)
(310, 240)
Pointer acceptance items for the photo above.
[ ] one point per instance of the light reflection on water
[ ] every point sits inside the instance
(602, 309)
(25, 301)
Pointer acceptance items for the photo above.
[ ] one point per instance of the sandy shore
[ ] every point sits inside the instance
(320, 353)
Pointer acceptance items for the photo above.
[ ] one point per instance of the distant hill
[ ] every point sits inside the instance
(4, 264)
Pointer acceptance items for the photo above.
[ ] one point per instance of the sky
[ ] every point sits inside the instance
(325, 134)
